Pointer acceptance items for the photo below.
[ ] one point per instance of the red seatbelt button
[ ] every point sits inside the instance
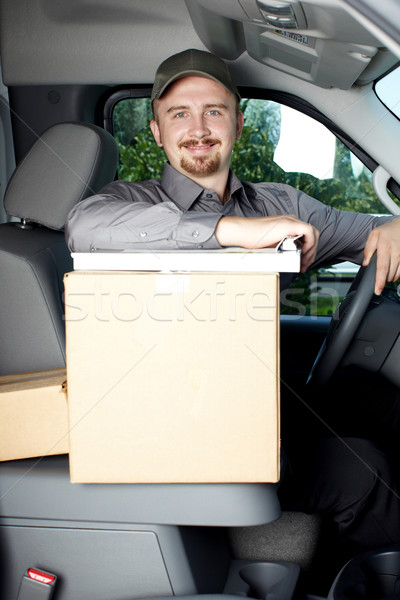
(41, 576)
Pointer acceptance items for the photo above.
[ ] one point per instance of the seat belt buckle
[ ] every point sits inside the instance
(37, 585)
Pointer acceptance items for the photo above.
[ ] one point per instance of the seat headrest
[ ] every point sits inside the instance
(67, 163)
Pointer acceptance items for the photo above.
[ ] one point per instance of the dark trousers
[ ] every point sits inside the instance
(342, 460)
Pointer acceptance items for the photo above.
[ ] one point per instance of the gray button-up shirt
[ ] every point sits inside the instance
(177, 213)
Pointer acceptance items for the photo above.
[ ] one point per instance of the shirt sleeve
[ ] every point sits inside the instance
(111, 222)
(343, 234)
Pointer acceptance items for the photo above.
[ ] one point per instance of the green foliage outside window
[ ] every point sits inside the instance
(142, 159)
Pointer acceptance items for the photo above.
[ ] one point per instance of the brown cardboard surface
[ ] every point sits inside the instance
(33, 415)
(173, 377)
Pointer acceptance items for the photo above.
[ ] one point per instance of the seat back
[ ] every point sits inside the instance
(69, 162)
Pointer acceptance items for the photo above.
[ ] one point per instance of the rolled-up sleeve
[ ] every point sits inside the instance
(107, 222)
(343, 234)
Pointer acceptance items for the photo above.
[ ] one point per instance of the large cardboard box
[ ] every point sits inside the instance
(173, 377)
(33, 414)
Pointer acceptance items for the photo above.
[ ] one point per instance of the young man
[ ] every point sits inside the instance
(200, 203)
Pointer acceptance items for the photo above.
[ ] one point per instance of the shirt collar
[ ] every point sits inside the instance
(184, 191)
(234, 183)
(181, 189)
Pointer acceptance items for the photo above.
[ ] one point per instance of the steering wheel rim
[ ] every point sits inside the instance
(344, 324)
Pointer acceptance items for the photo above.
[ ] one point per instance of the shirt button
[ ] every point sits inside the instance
(195, 233)
(143, 234)
(209, 195)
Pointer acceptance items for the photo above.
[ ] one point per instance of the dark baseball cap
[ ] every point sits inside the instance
(192, 62)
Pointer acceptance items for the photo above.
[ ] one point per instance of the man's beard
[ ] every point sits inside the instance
(201, 165)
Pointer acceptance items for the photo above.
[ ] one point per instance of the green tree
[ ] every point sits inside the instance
(259, 113)
(129, 118)
(142, 159)
(253, 157)
(139, 156)
(343, 169)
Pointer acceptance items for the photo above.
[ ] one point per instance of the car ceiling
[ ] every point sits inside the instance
(123, 41)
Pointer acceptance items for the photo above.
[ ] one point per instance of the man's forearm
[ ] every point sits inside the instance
(266, 232)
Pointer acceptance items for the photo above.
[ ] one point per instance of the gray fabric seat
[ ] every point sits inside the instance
(69, 162)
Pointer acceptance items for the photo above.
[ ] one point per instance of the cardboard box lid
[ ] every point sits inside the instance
(284, 258)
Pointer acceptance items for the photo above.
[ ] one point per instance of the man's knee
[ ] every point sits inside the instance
(350, 469)
(336, 474)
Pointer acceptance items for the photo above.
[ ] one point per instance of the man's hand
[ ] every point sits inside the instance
(385, 240)
(267, 232)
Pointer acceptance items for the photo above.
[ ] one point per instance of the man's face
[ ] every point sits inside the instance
(197, 124)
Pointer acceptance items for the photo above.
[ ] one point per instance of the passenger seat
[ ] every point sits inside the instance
(69, 162)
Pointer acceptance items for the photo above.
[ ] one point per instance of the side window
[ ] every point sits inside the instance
(278, 144)
(284, 145)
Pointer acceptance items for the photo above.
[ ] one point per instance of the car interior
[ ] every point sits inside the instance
(76, 79)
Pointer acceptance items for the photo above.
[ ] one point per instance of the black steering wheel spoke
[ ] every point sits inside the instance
(344, 325)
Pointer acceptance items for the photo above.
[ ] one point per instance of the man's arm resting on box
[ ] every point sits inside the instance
(111, 222)
(266, 232)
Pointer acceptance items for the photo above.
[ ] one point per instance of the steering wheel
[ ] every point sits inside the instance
(344, 324)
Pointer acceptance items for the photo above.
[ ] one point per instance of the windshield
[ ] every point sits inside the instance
(388, 91)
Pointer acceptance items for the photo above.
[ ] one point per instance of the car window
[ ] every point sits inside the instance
(278, 144)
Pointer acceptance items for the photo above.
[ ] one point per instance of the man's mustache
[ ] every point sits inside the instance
(203, 142)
